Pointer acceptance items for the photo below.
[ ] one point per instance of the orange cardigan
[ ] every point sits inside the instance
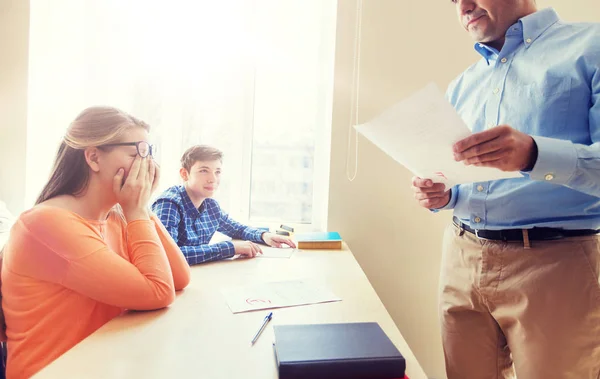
(64, 276)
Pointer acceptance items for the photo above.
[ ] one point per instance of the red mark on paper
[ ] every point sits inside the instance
(439, 173)
(258, 301)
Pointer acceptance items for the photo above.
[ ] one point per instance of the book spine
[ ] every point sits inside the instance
(325, 245)
(348, 369)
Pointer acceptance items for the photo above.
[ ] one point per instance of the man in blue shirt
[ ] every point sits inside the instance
(519, 280)
(192, 217)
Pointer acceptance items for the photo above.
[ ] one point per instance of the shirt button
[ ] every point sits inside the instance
(503, 60)
(549, 177)
(490, 124)
(528, 40)
(480, 189)
(477, 219)
(496, 90)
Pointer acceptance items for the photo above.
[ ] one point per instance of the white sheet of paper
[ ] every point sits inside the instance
(273, 252)
(419, 132)
(269, 252)
(275, 295)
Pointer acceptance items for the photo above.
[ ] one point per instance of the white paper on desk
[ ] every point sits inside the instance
(275, 295)
(269, 252)
(274, 252)
(419, 133)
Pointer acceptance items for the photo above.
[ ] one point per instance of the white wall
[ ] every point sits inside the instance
(14, 34)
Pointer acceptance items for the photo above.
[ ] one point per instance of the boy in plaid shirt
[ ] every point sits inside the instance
(192, 217)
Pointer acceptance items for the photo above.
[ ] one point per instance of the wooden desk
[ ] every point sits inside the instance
(199, 337)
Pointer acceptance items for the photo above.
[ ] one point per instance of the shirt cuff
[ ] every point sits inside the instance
(254, 235)
(452, 203)
(228, 251)
(556, 161)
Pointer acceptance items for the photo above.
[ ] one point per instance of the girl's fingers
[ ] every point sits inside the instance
(134, 171)
(151, 171)
(143, 173)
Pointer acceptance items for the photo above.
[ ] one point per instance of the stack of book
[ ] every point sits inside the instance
(324, 240)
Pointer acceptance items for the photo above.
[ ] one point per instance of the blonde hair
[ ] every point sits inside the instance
(202, 153)
(94, 126)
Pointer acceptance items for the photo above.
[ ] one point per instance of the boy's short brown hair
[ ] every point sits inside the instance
(203, 153)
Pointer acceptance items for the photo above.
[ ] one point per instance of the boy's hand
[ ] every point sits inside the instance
(246, 249)
(275, 240)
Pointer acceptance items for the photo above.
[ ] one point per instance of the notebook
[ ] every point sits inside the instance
(332, 351)
(325, 240)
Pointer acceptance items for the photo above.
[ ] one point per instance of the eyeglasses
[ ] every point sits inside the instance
(144, 149)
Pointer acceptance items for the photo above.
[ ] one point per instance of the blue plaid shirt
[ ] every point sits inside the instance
(193, 228)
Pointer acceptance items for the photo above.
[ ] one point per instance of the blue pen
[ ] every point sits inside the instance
(262, 327)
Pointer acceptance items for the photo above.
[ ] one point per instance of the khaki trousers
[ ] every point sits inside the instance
(534, 312)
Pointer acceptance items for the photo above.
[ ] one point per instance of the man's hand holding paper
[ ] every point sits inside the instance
(501, 147)
(421, 132)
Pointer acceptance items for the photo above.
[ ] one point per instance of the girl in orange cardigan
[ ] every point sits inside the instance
(89, 249)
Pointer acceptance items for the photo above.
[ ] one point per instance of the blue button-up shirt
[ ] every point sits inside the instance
(192, 228)
(544, 82)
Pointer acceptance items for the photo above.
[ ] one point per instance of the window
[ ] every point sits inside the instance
(251, 77)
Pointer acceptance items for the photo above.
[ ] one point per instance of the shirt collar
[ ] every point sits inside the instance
(487, 52)
(188, 206)
(535, 24)
(528, 28)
